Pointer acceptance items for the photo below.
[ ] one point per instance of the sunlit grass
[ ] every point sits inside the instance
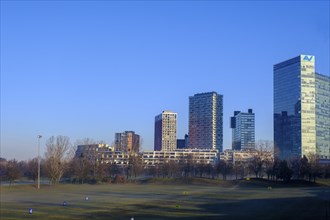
(164, 201)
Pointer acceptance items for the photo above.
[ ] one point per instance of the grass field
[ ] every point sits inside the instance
(230, 200)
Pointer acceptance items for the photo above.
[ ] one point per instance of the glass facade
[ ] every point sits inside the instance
(243, 135)
(323, 116)
(287, 117)
(295, 108)
(205, 121)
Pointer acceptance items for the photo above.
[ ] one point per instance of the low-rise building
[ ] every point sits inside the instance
(205, 156)
(226, 155)
(245, 156)
(103, 153)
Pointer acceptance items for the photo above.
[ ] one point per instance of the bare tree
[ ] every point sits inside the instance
(164, 169)
(23, 168)
(265, 145)
(3, 168)
(151, 171)
(210, 170)
(201, 169)
(12, 171)
(326, 171)
(238, 169)
(283, 171)
(304, 167)
(224, 168)
(174, 168)
(187, 165)
(168, 169)
(263, 158)
(56, 157)
(314, 164)
(80, 167)
(256, 164)
(269, 165)
(135, 165)
(32, 169)
(101, 172)
(91, 157)
(113, 169)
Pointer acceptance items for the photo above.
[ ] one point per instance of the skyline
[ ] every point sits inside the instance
(92, 69)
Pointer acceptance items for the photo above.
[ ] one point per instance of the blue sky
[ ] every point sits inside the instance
(93, 68)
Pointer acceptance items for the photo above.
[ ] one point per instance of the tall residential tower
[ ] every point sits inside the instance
(165, 131)
(127, 141)
(205, 121)
(301, 109)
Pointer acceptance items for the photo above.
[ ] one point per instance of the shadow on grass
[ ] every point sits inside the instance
(285, 208)
(288, 208)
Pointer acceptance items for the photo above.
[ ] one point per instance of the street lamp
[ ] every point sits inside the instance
(39, 136)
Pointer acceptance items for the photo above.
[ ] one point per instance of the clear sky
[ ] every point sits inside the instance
(93, 68)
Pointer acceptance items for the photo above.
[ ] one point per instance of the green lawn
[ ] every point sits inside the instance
(239, 200)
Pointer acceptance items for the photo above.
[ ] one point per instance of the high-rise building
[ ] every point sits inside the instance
(182, 143)
(165, 131)
(301, 107)
(127, 141)
(323, 116)
(205, 121)
(243, 125)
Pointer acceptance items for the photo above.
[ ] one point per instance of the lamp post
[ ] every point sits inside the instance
(39, 136)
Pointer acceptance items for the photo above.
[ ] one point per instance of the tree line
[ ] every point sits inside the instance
(60, 163)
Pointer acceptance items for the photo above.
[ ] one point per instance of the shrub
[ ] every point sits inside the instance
(119, 179)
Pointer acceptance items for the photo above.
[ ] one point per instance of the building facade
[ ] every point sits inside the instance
(127, 142)
(243, 130)
(206, 121)
(165, 131)
(245, 156)
(297, 109)
(182, 143)
(103, 154)
(199, 156)
(323, 116)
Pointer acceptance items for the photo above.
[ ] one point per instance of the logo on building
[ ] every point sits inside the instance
(308, 58)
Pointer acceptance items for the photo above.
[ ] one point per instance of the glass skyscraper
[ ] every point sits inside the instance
(296, 109)
(243, 135)
(323, 116)
(205, 121)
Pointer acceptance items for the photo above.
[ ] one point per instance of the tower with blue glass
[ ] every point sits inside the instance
(298, 93)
